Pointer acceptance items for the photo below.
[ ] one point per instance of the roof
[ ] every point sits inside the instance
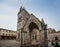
(22, 8)
(6, 29)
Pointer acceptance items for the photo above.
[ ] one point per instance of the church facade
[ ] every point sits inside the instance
(30, 30)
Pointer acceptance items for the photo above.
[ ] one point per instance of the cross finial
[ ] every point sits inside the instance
(42, 21)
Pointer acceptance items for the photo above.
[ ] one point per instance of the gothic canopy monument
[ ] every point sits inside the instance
(31, 30)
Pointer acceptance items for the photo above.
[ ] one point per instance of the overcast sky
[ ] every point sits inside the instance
(49, 10)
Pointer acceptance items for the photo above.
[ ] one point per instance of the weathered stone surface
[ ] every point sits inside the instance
(32, 30)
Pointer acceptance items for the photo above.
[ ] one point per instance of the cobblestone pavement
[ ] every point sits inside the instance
(9, 43)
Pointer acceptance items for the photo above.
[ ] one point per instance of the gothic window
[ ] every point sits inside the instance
(18, 35)
(19, 19)
(35, 37)
(3, 34)
(6, 34)
(27, 18)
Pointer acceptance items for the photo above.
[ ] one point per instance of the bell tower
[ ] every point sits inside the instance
(23, 16)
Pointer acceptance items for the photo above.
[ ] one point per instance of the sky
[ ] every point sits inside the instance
(49, 10)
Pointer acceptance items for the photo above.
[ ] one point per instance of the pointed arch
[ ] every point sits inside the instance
(32, 26)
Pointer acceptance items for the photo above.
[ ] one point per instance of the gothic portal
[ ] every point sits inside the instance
(31, 31)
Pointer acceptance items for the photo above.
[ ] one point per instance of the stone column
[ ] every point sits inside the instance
(45, 36)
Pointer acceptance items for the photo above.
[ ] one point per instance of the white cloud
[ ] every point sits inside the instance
(8, 22)
(9, 10)
(8, 16)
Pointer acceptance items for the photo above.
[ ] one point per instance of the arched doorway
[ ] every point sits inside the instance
(32, 26)
(34, 34)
